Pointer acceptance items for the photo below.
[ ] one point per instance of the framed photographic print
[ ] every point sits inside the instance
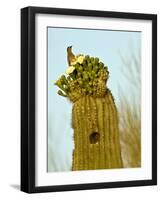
(88, 99)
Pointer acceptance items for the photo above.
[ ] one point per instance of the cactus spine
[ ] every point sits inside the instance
(94, 115)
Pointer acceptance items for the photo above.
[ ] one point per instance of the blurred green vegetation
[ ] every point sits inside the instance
(129, 109)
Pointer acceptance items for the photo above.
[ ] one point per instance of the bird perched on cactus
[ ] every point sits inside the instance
(70, 56)
(94, 113)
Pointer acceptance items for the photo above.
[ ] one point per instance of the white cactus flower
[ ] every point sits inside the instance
(80, 59)
(70, 69)
(74, 62)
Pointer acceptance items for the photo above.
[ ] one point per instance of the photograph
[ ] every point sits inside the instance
(94, 99)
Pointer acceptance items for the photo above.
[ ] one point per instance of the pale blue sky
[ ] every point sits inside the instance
(104, 44)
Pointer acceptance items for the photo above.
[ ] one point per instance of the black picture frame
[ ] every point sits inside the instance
(28, 98)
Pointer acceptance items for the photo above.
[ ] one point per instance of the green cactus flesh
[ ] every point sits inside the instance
(96, 136)
(94, 116)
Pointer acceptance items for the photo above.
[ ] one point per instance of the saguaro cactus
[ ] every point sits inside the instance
(94, 115)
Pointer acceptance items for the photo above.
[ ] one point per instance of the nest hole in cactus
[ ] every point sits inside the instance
(94, 137)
